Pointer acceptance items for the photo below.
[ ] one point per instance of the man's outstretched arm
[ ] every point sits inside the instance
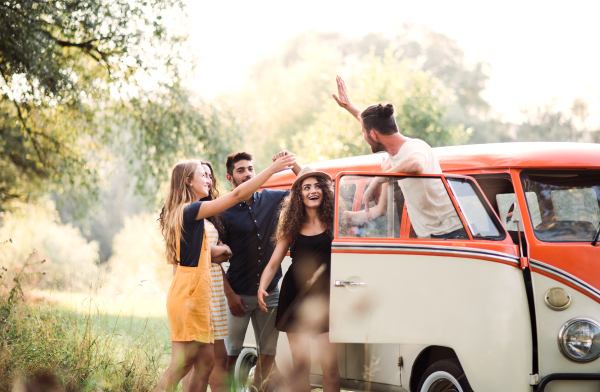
(343, 99)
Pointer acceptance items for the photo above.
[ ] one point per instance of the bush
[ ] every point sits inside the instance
(138, 261)
(71, 261)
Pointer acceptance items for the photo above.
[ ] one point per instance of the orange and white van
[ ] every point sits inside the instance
(513, 307)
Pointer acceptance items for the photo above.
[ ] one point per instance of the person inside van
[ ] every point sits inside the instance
(431, 212)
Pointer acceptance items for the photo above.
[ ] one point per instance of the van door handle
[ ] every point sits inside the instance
(344, 283)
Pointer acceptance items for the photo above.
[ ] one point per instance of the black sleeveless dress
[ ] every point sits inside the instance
(303, 309)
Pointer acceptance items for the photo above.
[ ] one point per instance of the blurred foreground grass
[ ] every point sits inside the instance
(85, 342)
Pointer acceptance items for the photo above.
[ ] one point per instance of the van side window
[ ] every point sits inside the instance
(431, 213)
(347, 192)
(477, 213)
(383, 218)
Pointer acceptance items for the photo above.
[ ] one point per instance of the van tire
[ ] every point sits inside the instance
(244, 369)
(445, 375)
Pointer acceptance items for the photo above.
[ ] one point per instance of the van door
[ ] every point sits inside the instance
(458, 284)
(561, 218)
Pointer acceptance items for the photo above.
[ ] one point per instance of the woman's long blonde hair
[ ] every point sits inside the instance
(180, 196)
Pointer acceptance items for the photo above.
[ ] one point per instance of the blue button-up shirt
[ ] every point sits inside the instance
(248, 232)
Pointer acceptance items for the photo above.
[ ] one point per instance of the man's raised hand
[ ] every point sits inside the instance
(295, 167)
(284, 162)
(343, 98)
(280, 154)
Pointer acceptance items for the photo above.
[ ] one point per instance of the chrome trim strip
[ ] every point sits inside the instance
(566, 276)
(427, 249)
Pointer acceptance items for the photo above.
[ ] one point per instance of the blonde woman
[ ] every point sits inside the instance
(189, 298)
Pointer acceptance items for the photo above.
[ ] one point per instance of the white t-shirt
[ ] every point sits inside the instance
(429, 207)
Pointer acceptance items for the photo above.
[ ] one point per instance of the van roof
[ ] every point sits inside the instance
(473, 157)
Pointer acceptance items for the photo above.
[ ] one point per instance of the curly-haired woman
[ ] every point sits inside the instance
(306, 228)
(188, 301)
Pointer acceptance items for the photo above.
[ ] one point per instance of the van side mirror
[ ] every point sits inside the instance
(510, 215)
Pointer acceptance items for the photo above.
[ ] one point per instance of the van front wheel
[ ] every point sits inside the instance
(445, 375)
(243, 376)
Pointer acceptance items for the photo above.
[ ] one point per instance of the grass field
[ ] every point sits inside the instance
(83, 342)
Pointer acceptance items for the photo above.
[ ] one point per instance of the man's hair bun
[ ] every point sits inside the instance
(380, 117)
(386, 110)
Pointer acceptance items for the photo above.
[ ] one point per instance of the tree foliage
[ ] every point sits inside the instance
(547, 122)
(78, 78)
(287, 102)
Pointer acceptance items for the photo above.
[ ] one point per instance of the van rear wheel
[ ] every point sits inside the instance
(444, 376)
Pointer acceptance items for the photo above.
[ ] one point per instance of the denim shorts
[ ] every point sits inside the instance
(263, 324)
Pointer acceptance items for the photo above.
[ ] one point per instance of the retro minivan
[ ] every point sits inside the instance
(513, 307)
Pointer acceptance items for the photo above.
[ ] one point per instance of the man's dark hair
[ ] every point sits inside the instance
(380, 117)
(236, 157)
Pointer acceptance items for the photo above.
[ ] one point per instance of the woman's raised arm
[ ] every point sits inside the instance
(242, 192)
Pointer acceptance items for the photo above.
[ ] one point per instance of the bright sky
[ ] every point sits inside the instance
(538, 50)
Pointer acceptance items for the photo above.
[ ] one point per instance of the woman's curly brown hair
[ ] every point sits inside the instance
(293, 213)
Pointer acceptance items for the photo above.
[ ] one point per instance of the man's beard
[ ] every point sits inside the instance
(243, 180)
(375, 146)
(378, 147)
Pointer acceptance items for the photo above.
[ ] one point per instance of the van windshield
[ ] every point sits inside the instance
(564, 206)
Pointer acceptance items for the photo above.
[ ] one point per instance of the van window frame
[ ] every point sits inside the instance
(479, 192)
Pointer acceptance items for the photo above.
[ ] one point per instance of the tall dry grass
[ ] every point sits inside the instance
(84, 352)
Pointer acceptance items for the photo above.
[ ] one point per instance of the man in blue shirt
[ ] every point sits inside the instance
(249, 227)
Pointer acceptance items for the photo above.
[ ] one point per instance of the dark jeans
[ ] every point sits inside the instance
(459, 234)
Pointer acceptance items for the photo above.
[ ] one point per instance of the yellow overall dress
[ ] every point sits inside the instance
(189, 300)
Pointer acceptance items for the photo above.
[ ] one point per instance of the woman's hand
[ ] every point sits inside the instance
(261, 301)
(295, 167)
(227, 252)
(284, 162)
(220, 253)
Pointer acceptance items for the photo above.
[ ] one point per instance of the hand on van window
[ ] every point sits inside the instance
(372, 191)
(343, 98)
(261, 299)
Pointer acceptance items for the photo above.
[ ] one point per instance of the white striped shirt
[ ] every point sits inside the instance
(219, 302)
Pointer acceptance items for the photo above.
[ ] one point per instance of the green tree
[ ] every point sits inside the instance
(288, 104)
(79, 79)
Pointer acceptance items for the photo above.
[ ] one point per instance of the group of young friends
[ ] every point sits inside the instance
(209, 310)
